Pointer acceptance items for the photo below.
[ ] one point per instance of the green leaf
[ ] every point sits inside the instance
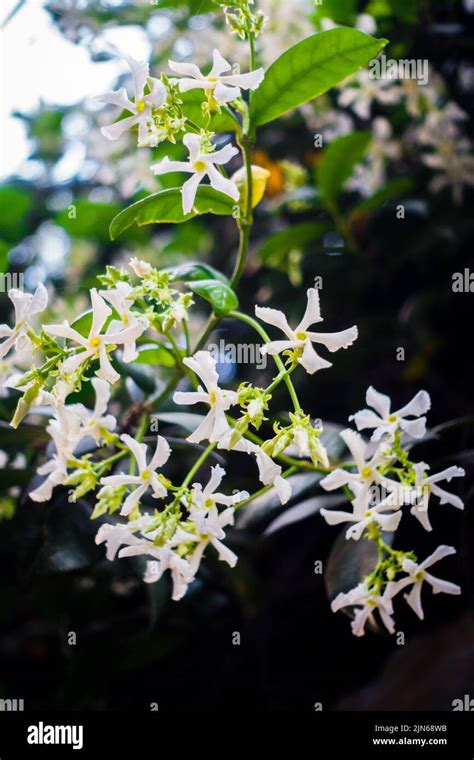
(195, 270)
(155, 355)
(220, 122)
(393, 189)
(275, 249)
(167, 207)
(221, 297)
(310, 68)
(338, 163)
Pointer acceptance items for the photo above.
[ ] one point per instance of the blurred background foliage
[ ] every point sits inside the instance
(392, 276)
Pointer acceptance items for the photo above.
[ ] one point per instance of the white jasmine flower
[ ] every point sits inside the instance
(200, 165)
(455, 162)
(164, 559)
(367, 473)
(300, 338)
(96, 422)
(141, 107)
(224, 87)
(65, 430)
(365, 90)
(121, 533)
(364, 515)
(368, 602)
(95, 345)
(386, 422)
(122, 301)
(3, 460)
(370, 176)
(146, 478)
(417, 575)
(214, 425)
(270, 472)
(26, 305)
(428, 485)
(140, 267)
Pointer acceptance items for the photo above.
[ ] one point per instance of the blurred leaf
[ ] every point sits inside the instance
(393, 189)
(167, 206)
(338, 162)
(332, 441)
(221, 297)
(155, 354)
(275, 248)
(265, 506)
(339, 11)
(34, 435)
(187, 420)
(310, 68)
(87, 219)
(142, 375)
(4, 248)
(303, 510)
(16, 204)
(195, 270)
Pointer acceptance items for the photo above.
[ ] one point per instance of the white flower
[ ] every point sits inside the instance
(65, 430)
(165, 559)
(417, 575)
(121, 533)
(386, 422)
(365, 90)
(95, 422)
(140, 267)
(95, 345)
(26, 306)
(122, 302)
(371, 175)
(142, 106)
(214, 425)
(146, 478)
(3, 460)
(200, 165)
(269, 472)
(364, 515)
(224, 87)
(367, 473)
(208, 522)
(368, 601)
(300, 338)
(455, 162)
(425, 486)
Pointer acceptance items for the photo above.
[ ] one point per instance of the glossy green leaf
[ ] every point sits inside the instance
(155, 355)
(195, 270)
(166, 206)
(276, 247)
(338, 163)
(310, 68)
(221, 297)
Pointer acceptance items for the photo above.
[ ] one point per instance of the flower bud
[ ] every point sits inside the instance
(259, 183)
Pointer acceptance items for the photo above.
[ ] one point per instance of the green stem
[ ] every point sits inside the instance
(197, 464)
(265, 337)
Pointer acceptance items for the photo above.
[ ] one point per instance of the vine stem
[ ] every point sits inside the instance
(265, 337)
(197, 464)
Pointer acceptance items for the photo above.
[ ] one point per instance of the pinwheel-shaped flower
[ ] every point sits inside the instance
(425, 486)
(363, 516)
(146, 478)
(65, 430)
(367, 471)
(96, 422)
(141, 107)
(122, 301)
(417, 575)
(200, 165)
(214, 425)
(367, 601)
(224, 87)
(300, 339)
(26, 306)
(386, 422)
(95, 344)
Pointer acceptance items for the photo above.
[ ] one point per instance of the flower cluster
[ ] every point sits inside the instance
(381, 480)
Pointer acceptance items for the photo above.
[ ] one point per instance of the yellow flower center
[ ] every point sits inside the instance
(371, 603)
(146, 474)
(140, 106)
(199, 166)
(301, 335)
(420, 575)
(209, 503)
(368, 513)
(94, 342)
(125, 319)
(212, 79)
(366, 472)
(393, 418)
(212, 397)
